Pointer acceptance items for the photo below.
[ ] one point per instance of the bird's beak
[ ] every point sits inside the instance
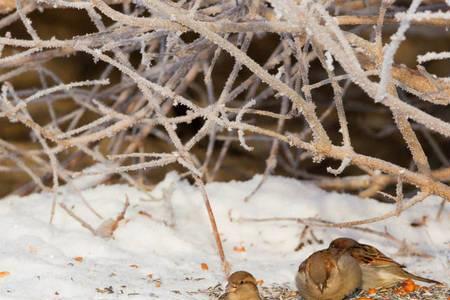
(230, 288)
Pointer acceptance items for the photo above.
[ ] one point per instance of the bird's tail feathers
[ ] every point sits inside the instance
(423, 279)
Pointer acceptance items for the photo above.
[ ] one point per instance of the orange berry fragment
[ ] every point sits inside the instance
(239, 249)
(409, 286)
(371, 291)
(4, 274)
(204, 266)
(260, 282)
(78, 258)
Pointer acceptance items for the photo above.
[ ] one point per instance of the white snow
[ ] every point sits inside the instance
(149, 259)
(329, 61)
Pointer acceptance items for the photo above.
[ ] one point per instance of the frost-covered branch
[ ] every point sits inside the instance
(187, 86)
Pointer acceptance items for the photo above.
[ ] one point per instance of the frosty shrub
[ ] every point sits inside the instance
(184, 74)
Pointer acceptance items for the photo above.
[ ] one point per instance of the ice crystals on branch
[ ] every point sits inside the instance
(239, 120)
(429, 56)
(329, 61)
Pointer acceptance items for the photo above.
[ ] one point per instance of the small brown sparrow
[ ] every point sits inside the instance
(378, 270)
(241, 286)
(328, 275)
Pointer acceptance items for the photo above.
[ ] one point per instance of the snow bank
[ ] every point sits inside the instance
(158, 250)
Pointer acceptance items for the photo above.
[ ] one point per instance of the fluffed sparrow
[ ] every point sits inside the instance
(241, 286)
(378, 270)
(328, 275)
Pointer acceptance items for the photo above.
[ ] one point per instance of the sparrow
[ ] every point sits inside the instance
(378, 270)
(241, 286)
(328, 274)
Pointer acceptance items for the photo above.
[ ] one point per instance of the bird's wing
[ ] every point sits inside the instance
(369, 255)
(223, 297)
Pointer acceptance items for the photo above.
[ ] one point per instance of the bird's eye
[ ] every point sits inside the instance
(242, 282)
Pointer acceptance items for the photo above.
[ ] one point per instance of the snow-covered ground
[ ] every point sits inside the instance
(162, 247)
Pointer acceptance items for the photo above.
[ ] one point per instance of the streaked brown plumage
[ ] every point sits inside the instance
(241, 286)
(378, 270)
(328, 275)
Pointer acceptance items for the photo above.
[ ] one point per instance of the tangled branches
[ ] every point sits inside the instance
(161, 63)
